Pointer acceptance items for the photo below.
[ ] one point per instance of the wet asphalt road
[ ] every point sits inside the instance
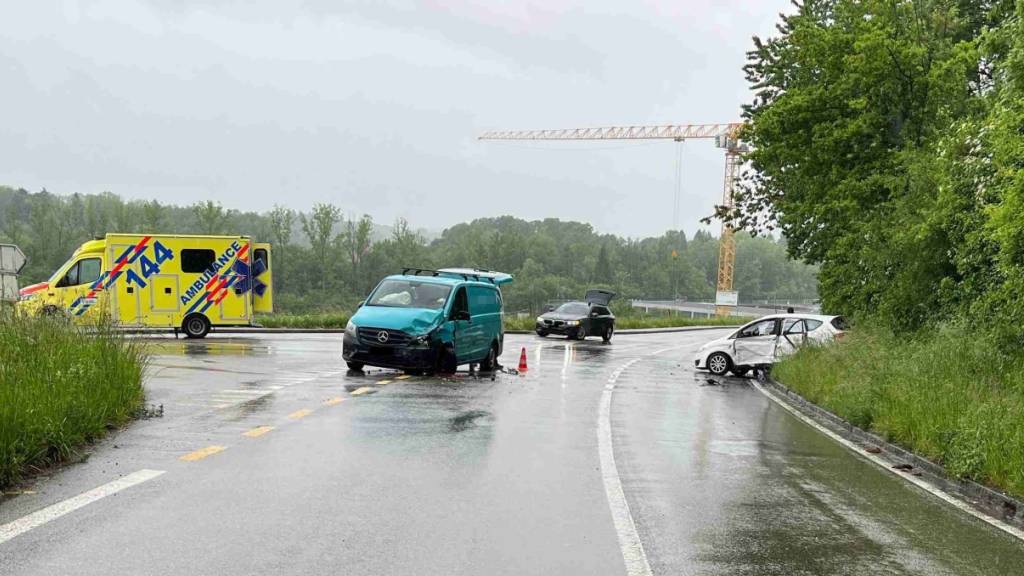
(371, 474)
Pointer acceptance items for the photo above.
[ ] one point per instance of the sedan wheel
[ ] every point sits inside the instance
(581, 333)
(608, 333)
(718, 363)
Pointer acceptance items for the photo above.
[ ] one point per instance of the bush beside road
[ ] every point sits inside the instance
(60, 389)
(947, 395)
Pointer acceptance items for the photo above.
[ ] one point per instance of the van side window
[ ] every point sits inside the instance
(89, 270)
(461, 303)
(70, 277)
(483, 300)
(82, 272)
(197, 261)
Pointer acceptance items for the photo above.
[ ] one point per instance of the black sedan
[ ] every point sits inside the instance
(578, 320)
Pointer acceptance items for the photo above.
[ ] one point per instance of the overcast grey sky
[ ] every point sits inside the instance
(374, 106)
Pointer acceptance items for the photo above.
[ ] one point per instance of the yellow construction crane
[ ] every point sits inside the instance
(726, 136)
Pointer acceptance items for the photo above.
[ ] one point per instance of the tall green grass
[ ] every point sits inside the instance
(324, 320)
(948, 395)
(60, 387)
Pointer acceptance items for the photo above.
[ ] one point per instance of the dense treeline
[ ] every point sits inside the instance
(325, 261)
(888, 146)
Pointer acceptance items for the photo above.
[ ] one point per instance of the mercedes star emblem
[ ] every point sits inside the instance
(382, 336)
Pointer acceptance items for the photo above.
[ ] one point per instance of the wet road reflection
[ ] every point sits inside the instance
(486, 473)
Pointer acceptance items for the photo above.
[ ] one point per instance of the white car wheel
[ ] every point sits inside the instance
(718, 363)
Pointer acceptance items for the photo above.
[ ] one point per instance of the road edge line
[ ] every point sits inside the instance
(632, 548)
(16, 528)
(625, 527)
(887, 466)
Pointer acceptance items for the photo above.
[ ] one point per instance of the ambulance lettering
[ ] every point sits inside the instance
(130, 255)
(214, 285)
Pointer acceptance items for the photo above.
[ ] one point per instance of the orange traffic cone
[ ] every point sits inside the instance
(522, 361)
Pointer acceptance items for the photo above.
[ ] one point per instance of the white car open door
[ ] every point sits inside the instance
(756, 343)
(794, 335)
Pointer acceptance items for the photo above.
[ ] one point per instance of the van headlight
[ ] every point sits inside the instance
(350, 329)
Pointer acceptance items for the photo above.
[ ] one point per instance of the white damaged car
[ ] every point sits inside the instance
(765, 340)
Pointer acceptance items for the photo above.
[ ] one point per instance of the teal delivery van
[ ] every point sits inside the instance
(429, 321)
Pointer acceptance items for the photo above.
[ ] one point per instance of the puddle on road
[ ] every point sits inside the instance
(467, 420)
(214, 347)
(250, 407)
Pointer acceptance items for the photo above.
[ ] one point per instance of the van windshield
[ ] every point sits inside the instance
(410, 294)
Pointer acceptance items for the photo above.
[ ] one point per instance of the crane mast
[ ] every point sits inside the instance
(726, 136)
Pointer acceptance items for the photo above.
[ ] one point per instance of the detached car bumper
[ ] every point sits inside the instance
(399, 357)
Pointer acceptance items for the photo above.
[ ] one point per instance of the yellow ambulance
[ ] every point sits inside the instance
(191, 283)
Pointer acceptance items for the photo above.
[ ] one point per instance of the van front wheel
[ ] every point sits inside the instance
(196, 326)
(491, 362)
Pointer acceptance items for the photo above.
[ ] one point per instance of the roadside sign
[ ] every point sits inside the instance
(727, 298)
(8, 287)
(12, 259)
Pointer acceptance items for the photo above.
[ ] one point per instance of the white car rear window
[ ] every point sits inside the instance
(812, 325)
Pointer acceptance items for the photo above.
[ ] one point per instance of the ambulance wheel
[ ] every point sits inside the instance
(196, 326)
(52, 312)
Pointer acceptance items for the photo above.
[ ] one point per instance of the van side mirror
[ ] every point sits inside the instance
(463, 315)
(361, 304)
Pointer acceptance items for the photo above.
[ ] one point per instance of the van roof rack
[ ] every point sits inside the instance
(464, 275)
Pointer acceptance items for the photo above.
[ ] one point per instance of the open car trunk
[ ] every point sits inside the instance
(599, 296)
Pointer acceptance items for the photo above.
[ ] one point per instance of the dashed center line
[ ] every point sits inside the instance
(363, 390)
(334, 401)
(202, 453)
(300, 414)
(383, 382)
(257, 431)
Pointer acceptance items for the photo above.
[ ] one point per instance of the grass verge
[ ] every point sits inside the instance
(60, 388)
(946, 395)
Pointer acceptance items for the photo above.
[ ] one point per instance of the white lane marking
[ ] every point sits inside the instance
(885, 465)
(40, 517)
(629, 540)
(625, 527)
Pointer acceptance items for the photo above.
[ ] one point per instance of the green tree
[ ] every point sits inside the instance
(319, 229)
(209, 217)
(152, 216)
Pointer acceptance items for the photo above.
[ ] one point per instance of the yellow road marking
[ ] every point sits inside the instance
(402, 377)
(258, 431)
(334, 401)
(382, 382)
(361, 391)
(300, 414)
(202, 453)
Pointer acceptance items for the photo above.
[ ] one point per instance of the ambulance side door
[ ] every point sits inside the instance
(261, 280)
(74, 288)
